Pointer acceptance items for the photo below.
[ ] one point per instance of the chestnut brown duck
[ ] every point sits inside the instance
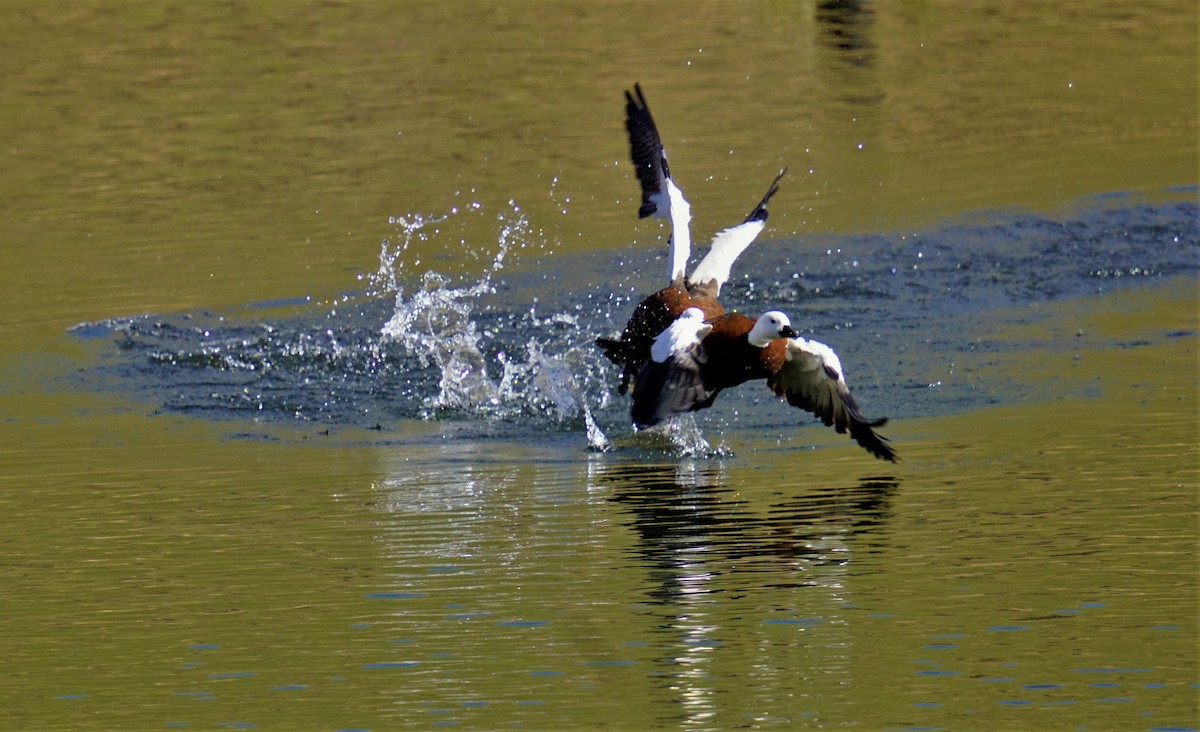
(692, 361)
(662, 198)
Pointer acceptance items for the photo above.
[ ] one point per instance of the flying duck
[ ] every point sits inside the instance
(663, 199)
(692, 361)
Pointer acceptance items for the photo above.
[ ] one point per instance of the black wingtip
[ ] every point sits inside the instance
(876, 444)
(635, 103)
(641, 99)
(760, 212)
(862, 431)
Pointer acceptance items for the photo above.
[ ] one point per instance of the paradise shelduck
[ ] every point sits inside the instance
(662, 198)
(692, 361)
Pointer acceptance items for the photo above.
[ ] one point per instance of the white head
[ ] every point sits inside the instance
(770, 325)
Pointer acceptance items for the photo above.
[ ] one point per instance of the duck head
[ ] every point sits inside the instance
(769, 326)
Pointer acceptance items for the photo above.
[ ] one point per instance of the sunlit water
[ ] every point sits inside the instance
(537, 564)
(916, 317)
(233, 499)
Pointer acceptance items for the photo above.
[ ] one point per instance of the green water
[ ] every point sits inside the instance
(1028, 566)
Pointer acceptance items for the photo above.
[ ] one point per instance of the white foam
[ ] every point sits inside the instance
(437, 324)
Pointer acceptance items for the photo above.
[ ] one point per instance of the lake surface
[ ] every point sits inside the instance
(303, 427)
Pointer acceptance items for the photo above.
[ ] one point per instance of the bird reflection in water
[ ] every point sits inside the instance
(687, 516)
(846, 60)
(848, 25)
(719, 557)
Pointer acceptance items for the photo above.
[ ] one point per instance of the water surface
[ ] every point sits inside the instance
(239, 491)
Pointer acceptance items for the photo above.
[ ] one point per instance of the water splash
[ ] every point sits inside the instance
(440, 325)
(681, 435)
(434, 323)
(502, 350)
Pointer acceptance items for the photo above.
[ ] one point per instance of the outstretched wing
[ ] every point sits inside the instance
(660, 196)
(811, 378)
(728, 245)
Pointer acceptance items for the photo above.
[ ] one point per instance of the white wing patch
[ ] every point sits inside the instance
(680, 212)
(686, 332)
(727, 246)
(816, 357)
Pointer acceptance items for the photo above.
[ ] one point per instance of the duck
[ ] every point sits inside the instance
(693, 360)
(662, 198)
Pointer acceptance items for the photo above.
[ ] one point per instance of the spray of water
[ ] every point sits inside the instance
(682, 436)
(438, 324)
